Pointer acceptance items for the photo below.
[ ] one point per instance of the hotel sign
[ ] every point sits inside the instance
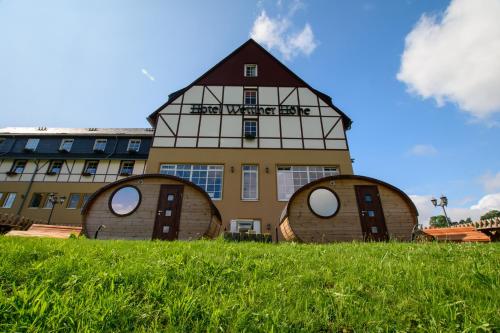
(250, 110)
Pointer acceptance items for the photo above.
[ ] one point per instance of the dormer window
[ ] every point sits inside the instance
(134, 145)
(250, 96)
(31, 144)
(250, 70)
(100, 145)
(66, 145)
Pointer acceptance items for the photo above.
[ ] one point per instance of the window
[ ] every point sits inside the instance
(100, 144)
(31, 144)
(7, 200)
(18, 167)
(85, 198)
(74, 201)
(2, 142)
(243, 225)
(250, 182)
(134, 145)
(77, 200)
(208, 177)
(90, 167)
(48, 202)
(250, 70)
(66, 145)
(291, 178)
(126, 168)
(36, 200)
(55, 167)
(250, 97)
(125, 200)
(250, 129)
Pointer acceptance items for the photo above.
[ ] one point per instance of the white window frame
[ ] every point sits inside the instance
(51, 166)
(65, 142)
(99, 142)
(9, 200)
(255, 171)
(256, 127)
(86, 166)
(248, 66)
(132, 143)
(32, 144)
(256, 96)
(234, 225)
(123, 162)
(312, 173)
(210, 167)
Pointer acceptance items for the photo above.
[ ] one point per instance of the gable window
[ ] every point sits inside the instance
(134, 145)
(55, 167)
(126, 168)
(250, 70)
(7, 200)
(66, 145)
(100, 145)
(18, 167)
(250, 180)
(250, 129)
(31, 144)
(250, 96)
(90, 167)
(291, 178)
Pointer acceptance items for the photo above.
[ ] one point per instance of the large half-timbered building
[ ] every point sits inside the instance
(249, 132)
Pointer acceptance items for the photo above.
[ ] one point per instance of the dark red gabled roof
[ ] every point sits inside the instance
(271, 72)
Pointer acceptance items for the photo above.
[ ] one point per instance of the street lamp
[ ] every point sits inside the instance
(54, 199)
(443, 202)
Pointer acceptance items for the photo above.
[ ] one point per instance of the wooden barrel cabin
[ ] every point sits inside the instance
(151, 206)
(346, 208)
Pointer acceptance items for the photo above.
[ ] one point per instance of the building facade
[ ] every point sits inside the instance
(249, 132)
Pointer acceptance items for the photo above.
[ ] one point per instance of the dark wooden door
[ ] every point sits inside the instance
(168, 214)
(371, 213)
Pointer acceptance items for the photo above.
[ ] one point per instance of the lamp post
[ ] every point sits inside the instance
(443, 202)
(54, 199)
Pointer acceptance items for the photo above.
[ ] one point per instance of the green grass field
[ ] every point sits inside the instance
(83, 285)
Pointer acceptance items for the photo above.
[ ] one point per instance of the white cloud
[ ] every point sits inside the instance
(488, 202)
(426, 209)
(146, 74)
(422, 150)
(456, 57)
(275, 33)
(490, 181)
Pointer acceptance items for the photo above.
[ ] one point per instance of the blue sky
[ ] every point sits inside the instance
(434, 130)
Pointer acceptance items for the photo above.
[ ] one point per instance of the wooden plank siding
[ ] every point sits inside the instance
(302, 224)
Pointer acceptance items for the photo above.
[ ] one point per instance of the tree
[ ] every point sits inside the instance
(439, 221)
(491, 214)
(467, 220)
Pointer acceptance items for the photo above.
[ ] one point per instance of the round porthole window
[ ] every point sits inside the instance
(125, 200)
(323, 202)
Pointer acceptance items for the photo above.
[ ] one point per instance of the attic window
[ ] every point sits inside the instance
(250, 70)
